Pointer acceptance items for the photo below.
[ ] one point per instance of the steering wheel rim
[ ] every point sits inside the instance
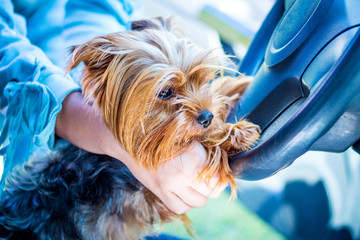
(316, 115)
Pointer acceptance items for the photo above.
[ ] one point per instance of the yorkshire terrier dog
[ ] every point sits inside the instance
(158, 93)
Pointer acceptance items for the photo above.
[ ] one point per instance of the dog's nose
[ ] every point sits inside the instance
(205, 118)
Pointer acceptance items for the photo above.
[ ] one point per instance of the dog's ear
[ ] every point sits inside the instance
(96, 55)
(159, 23)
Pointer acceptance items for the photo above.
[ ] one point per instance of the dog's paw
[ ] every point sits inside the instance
(242, 137)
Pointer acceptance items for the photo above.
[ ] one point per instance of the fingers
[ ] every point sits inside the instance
(195, 195)
(182, 199)
(188, 191)
(176, 204)
(211, 189)
(184, 203)
(217, 192)
(176, 181)
(191, 197)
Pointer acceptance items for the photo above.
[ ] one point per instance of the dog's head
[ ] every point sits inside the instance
(152, 88)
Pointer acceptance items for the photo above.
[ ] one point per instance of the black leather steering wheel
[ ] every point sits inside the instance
(305, 95)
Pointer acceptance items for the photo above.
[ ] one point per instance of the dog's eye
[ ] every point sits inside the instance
(166, 94)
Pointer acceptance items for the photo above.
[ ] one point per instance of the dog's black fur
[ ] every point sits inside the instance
(43, 198)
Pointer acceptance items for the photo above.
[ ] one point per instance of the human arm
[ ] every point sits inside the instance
(85, 19)
(34, 89)
(23, 61)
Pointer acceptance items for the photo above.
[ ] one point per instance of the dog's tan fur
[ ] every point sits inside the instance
(123, 75)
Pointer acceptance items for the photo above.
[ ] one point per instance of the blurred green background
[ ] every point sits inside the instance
(222, 218)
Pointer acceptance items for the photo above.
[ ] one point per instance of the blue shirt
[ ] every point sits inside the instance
(34, 36)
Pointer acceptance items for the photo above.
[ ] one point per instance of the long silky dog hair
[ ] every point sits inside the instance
(152, 87)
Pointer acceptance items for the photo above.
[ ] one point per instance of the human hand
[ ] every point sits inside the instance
(176, 181)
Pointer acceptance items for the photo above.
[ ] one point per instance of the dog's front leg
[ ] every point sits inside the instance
(241, 137)
(233, 138)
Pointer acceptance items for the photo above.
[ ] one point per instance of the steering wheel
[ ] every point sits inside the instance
(305, 95)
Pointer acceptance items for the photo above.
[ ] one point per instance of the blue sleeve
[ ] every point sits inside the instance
(85, 19)
(31, 90)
